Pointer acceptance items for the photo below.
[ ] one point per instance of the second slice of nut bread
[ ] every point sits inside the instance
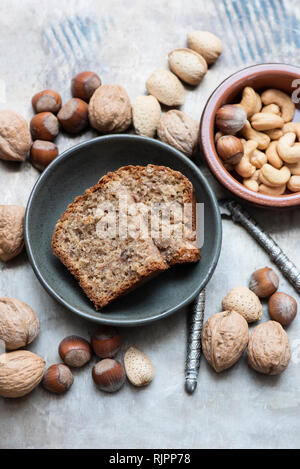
(106, 264)
(170, 196)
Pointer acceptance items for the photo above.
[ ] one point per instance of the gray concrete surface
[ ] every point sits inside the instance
(42, 45)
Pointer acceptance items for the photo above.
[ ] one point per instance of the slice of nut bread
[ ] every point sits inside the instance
(107, 261)
(170, 199)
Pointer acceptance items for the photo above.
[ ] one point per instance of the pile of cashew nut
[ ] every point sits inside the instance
(271, 160)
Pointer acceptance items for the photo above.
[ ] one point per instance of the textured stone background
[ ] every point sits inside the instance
(42, 45)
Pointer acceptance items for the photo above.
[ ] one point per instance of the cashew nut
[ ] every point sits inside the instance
(287, 107)
(274, 177)
(273, 157)
(274, 134)
(292, 127)
(266, 121)
(261, 138)
(252, 183)
(294, 168)
(251, 102)
(258, 159)
(288, 150)
(272, 108)
(294, 184)
(244, 168)
(279, 190)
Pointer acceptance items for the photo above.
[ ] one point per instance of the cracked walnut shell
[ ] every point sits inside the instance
(11, 231)
(224, 338)
(15, 138)
(269, 348)
(19, 325)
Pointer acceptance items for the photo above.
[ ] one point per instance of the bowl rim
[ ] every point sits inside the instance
(128, 322)
(207, 136)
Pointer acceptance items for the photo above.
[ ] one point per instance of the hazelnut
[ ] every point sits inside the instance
(75, 351)
(11, 231)
(44, 126)
(282, 308)
(269, 348)
(224, 338)
(230, 149)
(84, 84)
(42, 153)
(46, 100)
(73, 116)
(15, 138)
(230, 119)
(264, 282)
(58, 379)
(106, 341)
(109, 375)
(243, 301)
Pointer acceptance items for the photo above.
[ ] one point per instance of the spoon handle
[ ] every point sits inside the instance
(285, 265)
(194, 343)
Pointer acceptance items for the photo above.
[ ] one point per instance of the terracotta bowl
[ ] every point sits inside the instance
(260, 77)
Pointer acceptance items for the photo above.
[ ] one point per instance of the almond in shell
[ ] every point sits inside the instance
(146, 113)
(166, 87)
(188, 65)
(138, 366)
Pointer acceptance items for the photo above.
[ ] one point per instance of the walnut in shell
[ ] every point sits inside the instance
(15, 138)
(245, 302)
(178, 130)
(110, 109)
(19, 325)
(11, 231)
(224, 338)
(20, 373)
(269, 348)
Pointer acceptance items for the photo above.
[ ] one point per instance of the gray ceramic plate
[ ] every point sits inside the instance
(79, 168)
